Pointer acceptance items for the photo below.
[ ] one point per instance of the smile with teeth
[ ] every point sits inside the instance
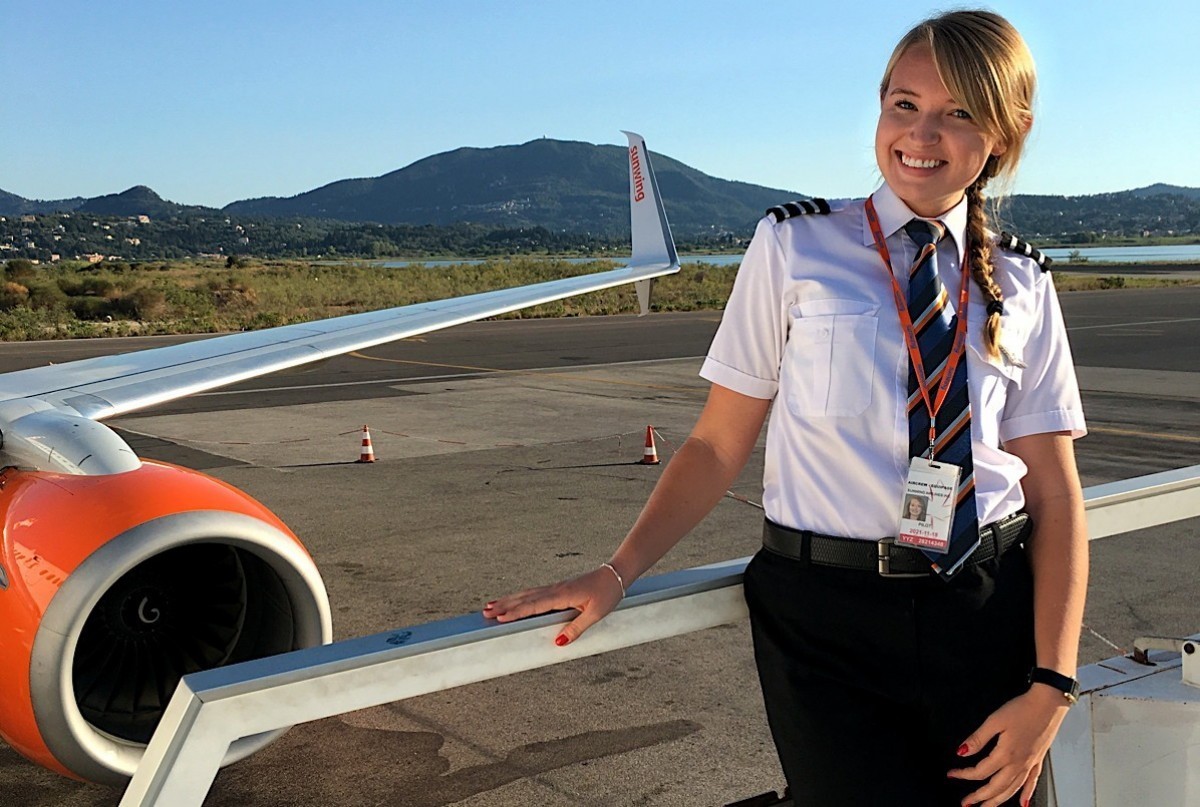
(912, 162)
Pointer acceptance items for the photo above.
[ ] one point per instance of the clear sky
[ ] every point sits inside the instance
(209, 102)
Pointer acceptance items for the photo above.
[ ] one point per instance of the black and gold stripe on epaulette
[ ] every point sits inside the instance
(1011, 243)
(801, 207)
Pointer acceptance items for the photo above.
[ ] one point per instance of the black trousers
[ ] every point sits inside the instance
(871, 684)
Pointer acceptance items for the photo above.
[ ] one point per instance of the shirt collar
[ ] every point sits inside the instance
(894, 214)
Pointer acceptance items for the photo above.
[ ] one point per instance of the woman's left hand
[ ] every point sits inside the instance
(1023, 728)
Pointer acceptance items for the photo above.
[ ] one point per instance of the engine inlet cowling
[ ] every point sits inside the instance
(96, 630)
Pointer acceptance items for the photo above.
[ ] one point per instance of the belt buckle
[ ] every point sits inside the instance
(883, 554)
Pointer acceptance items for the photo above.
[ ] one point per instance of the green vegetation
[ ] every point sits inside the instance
(117, 299)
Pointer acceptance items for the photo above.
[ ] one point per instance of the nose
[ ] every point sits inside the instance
(926, 130)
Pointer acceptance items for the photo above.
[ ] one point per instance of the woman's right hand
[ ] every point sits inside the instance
(593, 595)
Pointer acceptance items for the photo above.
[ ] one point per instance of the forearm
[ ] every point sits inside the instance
(1059, 557)
(695, 479)
(1058, 548)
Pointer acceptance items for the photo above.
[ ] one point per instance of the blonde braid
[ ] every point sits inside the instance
(979, 258)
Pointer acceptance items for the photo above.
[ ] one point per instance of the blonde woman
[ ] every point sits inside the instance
(908, 350)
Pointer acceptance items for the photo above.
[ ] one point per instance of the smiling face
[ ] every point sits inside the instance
(928, 147)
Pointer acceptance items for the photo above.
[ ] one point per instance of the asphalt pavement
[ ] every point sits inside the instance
(507, 457)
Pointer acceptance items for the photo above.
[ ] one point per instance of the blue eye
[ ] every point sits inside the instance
(962, 113)
(905, 104)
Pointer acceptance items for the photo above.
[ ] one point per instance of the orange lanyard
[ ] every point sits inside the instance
(910, 334)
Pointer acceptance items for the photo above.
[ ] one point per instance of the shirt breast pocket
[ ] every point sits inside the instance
(829, 363)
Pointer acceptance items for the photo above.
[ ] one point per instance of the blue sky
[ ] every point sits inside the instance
(208, 102)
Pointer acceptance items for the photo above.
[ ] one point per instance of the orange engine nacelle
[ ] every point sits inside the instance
(113, 587)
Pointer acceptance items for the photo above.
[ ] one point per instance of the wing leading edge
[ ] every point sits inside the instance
(112, 385)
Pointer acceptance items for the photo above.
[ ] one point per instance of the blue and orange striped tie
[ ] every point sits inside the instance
(934, 321)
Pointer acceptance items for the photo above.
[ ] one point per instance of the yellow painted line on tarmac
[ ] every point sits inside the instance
(538, 373)
(358, 355)
(1177, 438)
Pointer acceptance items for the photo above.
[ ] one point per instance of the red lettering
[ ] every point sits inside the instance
(639, 183)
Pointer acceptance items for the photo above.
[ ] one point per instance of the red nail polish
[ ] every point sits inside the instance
(963, 749)
(561, 639)
(489, 604)
(1024, 802)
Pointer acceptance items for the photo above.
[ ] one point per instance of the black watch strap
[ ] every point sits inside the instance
(1068, 686)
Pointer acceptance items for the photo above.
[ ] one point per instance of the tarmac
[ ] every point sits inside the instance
(507, 457)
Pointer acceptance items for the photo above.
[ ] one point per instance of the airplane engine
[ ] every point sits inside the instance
(112, 587)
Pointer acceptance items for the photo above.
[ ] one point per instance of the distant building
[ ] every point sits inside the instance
(143, 219)
(92, 257)
(28, 219)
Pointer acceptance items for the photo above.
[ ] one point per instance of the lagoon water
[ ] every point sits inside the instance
(1181, 253)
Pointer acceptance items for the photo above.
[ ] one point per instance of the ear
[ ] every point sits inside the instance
(999, 148)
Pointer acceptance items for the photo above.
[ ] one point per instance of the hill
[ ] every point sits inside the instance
(557, 184)
(138, 201)
(13, 205)
(1161, 189)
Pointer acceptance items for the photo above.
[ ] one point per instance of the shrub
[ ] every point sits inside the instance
(19, 269)
(92, 308)
(89, 287)
(46, 295)
(143, 303)
(12, 295)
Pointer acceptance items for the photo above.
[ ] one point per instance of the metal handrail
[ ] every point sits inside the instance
(213, 708)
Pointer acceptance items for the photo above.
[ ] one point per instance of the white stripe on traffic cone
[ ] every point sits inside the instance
(650, 454)
(367, 454)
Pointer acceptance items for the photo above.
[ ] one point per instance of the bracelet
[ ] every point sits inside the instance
(620, 581)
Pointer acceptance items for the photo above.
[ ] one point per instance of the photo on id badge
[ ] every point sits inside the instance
(927, 510)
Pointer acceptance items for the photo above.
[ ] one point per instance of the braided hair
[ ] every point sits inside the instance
(979, 259)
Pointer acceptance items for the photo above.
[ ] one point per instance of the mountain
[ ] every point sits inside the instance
(573, 187)
(557, 184)
(138, 201)
(13, 205)
(1162, 189)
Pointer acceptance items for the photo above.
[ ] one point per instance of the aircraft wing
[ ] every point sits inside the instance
(102, 387)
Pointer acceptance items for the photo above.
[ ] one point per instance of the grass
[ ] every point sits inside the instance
(65, 300)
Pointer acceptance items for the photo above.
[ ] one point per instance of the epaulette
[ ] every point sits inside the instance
(801, 207)
(1014, 244)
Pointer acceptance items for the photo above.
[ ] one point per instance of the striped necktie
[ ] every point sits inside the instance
(934, 322)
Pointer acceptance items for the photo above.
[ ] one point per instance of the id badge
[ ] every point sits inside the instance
(927, 513)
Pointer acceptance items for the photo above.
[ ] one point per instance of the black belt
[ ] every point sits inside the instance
(884, 556)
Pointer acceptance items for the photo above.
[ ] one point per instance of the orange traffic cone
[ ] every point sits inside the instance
(367, 454)
(650, 454)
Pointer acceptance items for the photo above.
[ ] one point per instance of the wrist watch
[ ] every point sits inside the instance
(1068, 686)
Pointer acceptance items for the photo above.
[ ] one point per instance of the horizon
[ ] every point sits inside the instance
(223, 103)
(485, 148)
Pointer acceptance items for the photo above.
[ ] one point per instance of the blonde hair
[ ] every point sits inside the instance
(987, 67)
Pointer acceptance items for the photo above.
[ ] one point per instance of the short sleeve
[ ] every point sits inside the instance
(746, 351)
(1048, 398)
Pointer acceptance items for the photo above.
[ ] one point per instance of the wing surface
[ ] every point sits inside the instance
(102, 387)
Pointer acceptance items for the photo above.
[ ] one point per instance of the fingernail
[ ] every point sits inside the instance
(963, 749)
(1024, 802)
(491, 604)
(561, 639)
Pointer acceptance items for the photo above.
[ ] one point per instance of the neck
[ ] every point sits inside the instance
(935, 208)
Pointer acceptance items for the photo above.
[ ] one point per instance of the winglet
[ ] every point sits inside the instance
(651, 234)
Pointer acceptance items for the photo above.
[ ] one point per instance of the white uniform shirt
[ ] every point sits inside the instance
(812, 322)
